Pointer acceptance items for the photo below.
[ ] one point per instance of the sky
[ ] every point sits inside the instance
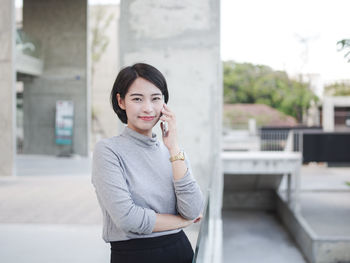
(298, 36)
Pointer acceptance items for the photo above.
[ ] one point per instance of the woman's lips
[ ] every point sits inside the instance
(147, 118)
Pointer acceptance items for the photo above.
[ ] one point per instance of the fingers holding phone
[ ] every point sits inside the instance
(168, 126)
(167, 118)
(164, 121)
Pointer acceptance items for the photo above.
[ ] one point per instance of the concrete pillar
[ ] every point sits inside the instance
(328, 114)
(61, 28)
(329, 105)
(182, 39)
(104, 71)
(7, 88)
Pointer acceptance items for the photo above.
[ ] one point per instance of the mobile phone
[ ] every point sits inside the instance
(165, 128)
(164, 124)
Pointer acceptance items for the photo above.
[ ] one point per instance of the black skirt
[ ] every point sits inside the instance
(174, 248)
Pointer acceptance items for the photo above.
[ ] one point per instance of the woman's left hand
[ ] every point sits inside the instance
(170, 140)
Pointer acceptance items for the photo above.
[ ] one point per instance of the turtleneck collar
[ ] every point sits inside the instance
(139, 138)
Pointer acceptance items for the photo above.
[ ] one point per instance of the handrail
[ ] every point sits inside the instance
(200, 251)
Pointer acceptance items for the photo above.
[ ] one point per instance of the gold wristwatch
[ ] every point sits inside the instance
(179, 156)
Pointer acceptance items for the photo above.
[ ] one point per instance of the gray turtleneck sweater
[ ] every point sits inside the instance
(133, 180)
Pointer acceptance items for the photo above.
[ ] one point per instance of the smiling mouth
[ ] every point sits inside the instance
(150, 118)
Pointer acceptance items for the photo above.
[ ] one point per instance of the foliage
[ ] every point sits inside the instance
(337, 89)
(344, 45)
(248, 83)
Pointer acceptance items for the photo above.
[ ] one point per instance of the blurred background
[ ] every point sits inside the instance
(261, 90)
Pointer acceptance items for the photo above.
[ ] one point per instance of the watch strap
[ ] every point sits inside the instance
(178, 156)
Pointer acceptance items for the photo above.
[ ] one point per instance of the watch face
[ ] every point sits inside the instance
(182, 156)
(179, 156)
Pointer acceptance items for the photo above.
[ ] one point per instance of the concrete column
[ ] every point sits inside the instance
(328, 114)
(104, 73)
(182, 39)
(329, 105)
(61, 28)
(7, 88)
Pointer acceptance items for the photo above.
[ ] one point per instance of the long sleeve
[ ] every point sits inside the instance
(113, 193)
(190, 200)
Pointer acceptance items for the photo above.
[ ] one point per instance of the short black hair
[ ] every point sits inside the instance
(125, 79)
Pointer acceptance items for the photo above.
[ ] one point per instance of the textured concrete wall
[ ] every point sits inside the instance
(61, 27)
(7, 88)
(105, 70)
(182, 40)
(251, 191)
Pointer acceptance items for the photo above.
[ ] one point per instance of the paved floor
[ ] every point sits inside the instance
(330, 217)
(322, 178)
(54, 243)
(40, 165)
(49, 213)
(48, 200)
(325, 200)
(257, 236)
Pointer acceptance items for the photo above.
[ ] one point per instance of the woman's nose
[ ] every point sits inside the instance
(147, 106)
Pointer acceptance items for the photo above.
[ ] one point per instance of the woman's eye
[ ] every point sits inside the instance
(136, 99)
(156, 98)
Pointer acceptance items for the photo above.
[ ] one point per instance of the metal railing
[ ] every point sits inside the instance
(283, 139)
(203, 236)
(273, 140)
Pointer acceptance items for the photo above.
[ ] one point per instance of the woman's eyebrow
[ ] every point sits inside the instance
(138, 94)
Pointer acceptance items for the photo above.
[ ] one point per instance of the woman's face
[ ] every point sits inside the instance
(143, 103)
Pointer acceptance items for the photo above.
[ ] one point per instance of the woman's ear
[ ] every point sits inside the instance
(121, 102)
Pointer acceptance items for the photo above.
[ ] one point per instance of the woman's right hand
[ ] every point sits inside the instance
(169, 222)
(198, 218)
(186, 222)
(190, 222)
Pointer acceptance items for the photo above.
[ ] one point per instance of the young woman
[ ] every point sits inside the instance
(145, 185)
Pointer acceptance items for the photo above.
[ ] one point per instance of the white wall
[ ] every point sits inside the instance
(329, 103)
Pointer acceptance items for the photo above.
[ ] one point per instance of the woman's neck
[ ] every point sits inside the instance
(146, 133)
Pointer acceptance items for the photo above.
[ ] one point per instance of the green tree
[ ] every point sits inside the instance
(337, 89)
(249, 83)
(344, 45)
